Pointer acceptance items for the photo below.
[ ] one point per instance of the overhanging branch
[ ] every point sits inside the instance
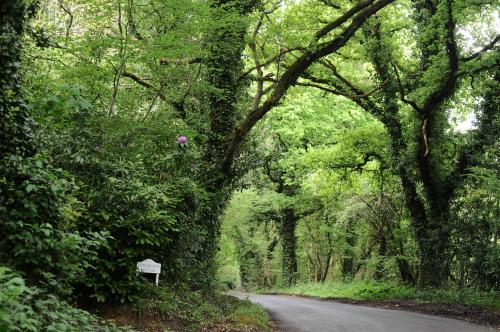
(488, 47)
(140, 80)
(342, 93)
(168, 62)
(295, 70)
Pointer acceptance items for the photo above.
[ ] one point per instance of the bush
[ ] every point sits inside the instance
(135, 189)
(36, 240)
(24, 308)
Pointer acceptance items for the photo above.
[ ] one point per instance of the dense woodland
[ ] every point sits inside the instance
(252, 143)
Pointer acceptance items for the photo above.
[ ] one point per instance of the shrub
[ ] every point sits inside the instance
(24, 308)
(36, 240)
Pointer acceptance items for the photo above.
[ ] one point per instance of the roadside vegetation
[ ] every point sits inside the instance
(184, 310)
(376, 291)
(24, 308)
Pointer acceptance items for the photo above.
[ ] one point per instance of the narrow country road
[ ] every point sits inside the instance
(295, 314)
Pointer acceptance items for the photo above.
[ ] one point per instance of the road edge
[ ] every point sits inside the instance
(469, 313)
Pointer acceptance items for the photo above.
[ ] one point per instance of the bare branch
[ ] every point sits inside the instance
(489, 46)
(169, 62)
(153, 102)
(328, 64)
(270, 61)
(346, 87)
(402, 91)
(342, 93)
(342, 19)
(142, 81)
(69, 23)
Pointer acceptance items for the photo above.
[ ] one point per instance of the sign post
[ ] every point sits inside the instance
(150, 266)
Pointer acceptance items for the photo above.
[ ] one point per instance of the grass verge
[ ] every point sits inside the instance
(376, 291)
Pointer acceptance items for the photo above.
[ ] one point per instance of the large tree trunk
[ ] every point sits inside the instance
(224, 66)
(30, 219)
(289, 243)
(15, 121)
(429, 212)
(431, 232)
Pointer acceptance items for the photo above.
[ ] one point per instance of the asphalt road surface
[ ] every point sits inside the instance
(295, 314)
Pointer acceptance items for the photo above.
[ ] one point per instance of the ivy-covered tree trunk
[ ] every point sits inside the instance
(31, 239)
(429, 210)
(347, 260)
(15, 122)
(224, 66)
(289, 245)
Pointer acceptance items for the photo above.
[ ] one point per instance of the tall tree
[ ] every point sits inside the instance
(16, 124)
(224, 66)
(424, 85)
(32, 239)
(225, 74)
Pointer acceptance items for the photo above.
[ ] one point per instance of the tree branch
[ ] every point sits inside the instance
(342, 19)
(328, 64)
(308, 212)
(346, 87)
(142, 81)
(270, 61)
(168, 62)
(341, 93)
(290, 76)
(489, 46)
(449, 82)
(329, 3)
(402, 91)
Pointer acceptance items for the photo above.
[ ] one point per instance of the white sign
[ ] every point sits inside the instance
(149, 266)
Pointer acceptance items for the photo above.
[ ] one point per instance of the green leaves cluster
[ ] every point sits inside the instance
(24, 308)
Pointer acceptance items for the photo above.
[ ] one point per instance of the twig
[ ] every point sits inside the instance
(484, 49)
(402, 91)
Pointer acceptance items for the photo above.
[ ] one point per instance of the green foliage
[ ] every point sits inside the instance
(37, 240)
(34, 239)
(475, 237)
(248, 244)
(24, 308)
(141, 220)
(135, 189)
(328, 163)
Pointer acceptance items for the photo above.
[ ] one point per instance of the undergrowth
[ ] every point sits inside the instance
(197, 310)
(24, 308)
